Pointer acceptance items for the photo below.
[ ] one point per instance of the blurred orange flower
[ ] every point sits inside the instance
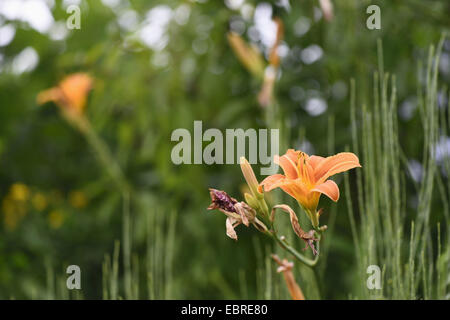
(265, 96)
(248, 55)
(70, 94)
(305, 177)
(77, 199)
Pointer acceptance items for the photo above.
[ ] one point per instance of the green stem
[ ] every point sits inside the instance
(103, 153)
(112, 167)
(300, 257)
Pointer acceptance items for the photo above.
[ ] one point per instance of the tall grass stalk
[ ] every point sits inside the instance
(156, 270)
(384, 231)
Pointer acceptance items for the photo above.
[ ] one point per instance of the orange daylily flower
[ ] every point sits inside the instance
(70, 94)
(305, 177)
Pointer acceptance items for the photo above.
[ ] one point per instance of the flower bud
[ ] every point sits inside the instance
(252, 202)
(250, 178)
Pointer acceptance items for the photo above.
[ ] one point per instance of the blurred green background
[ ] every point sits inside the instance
(158, 66)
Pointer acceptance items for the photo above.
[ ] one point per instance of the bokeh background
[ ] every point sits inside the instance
(158, 66)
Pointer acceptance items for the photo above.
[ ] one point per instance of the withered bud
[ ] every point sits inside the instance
(221, 200)
(236, 212)
(246, 212)
(309, 239)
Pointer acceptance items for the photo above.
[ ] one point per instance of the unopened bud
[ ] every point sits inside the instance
(250, 178)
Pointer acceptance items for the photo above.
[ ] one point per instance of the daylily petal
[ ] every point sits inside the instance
(328, 188)
(288, 162)
(52, 94)
(292, 155)
(335, 164)
(70, 94)
(314, 161)
(296, 189)
(75, 89)
(272, 182)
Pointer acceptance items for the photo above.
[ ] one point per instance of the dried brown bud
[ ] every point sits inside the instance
(246, 212)
(221, 200)
(309, 238)
(236, 212)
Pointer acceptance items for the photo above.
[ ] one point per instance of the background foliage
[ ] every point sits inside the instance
(158, 66)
